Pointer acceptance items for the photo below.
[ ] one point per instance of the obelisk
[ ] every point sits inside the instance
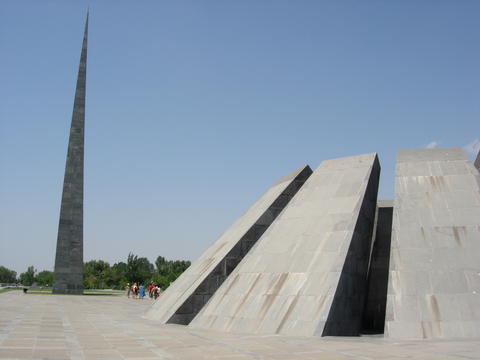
(68, 272)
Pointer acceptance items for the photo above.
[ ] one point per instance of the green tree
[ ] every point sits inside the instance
(119, 275)
(168, 271)
(165, 267)
(44, 278)
(7, 276)
(99, 274)
(139, 269)
(161, 280)
(89, 281)
(96, 274)
(162, 265)
(179, 266)
(27, 278)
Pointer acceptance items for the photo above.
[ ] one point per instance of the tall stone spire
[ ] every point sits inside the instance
(68, 272)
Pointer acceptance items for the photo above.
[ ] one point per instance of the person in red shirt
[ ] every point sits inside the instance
(150, 289)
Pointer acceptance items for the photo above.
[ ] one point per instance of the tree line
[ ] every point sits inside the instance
(98, 274)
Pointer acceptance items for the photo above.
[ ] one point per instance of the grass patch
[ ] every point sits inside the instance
(103, 292)
(40, 290)
(87, 292)
(7, 290)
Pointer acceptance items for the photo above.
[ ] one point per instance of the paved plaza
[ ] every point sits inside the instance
(34, 326)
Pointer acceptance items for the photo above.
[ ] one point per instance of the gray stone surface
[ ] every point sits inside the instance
(106, 327)
(477, 161)
(307, 274)
(183, 299)
(68, 270)
(434, 279)
(376, 301)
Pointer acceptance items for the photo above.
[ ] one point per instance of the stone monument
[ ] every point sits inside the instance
(68, 271)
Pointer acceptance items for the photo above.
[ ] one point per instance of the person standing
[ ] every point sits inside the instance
(151, 287)
(128, 289)
(141, 289)
(135, 291)
(156, 292)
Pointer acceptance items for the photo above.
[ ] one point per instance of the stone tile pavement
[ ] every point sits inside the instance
(107, 327)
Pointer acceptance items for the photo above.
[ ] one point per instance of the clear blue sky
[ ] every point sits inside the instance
(194, 108)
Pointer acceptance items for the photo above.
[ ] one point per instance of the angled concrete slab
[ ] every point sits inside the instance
(307, 275)
(184, 298)
(434, 279)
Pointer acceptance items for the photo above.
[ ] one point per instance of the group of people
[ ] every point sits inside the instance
(137, 290)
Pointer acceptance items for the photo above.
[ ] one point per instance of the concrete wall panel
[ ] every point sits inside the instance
(434, 287)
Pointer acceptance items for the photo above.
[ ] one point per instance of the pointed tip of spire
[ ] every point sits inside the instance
(86, 19)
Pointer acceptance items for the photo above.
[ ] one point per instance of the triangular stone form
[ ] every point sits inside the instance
(307, 276)
(185, 297)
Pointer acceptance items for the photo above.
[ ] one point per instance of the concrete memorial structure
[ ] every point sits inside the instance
(68, 270)
(183, 299)
(477, 161)
(434, 280)
(307, 273)
(314, 269)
